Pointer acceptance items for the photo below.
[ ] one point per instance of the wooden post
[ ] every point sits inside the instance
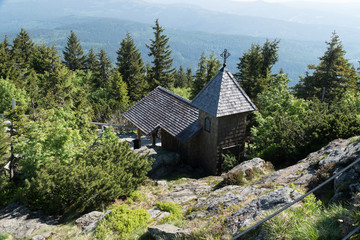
(153, 136)
(139, 136)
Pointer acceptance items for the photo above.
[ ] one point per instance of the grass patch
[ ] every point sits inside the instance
(310, 221)
(4, 236)
(175, 210)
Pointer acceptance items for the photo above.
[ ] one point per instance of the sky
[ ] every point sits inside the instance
(321, 1)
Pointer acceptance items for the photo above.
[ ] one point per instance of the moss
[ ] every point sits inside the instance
(122, 221)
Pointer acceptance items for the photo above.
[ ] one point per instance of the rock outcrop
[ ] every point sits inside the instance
(168, 232)
(21, 222)
(207, 198)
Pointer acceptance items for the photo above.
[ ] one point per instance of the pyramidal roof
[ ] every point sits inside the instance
(223, 96)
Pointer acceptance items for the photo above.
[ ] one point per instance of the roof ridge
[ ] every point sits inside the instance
(241, 89)
(207, 84)
(174, 94)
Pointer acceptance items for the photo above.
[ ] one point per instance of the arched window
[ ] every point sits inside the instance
(207, 124)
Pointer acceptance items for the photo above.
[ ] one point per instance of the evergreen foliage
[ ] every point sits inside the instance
(255, 67)
(4, 147)
(121, 221)
(131, 67)
(74, 57)
(288, 128)
(207, 68)
(9, 91)
(91, 61)
(161, 73)
(62, 173)
(333, 76)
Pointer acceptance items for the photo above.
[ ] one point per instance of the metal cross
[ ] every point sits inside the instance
(225, 55)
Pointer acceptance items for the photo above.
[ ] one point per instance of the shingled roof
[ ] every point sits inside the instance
(164, 109)
(223, 96)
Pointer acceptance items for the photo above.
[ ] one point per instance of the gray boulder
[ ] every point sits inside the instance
(92, 225)
(256, 163)
(43, 236)
(168, 232)
(84, 221)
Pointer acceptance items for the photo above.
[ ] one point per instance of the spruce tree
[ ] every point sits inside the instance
(6, 64)
(333, 76)
(103, 68)
(74, 57)
(91, 61)
(200, 76)
(255, 67)
(181, 80)
(22, 48)
(207, 68)
(161, 70)
(131, 67)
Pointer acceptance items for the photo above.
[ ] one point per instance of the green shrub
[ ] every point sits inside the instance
(229, 162)
(174, 209)
(311, 220)
(121, 221)
(4, 236)
(106, 171)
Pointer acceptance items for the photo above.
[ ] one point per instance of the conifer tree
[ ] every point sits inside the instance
(161, 70)
(189, 77)
(91, 61)
(74, 57)
(333, 76)
(45, 59)
(200, 76)
(22, 48)
(131, 67)
(102, 73)
(255, 67)
(181, 80)
(207, 68)
(6, 64)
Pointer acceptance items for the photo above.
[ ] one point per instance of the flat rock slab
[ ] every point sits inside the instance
(21, 222)
(168, 232)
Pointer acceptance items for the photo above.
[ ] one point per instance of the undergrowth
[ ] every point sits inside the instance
(174, 209)
(121, 222)
(312, 220)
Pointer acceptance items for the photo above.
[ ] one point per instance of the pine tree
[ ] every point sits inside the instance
(181, 80)
(74, 57)
(22, 48)
(189, 77)
(255, 67)
(6, 63)
(207, 68)
(45, 59)
(102, 73)
(212, 65)
(131, 67)
(200, 76)
(91, 61)
(333, 76)
(161, 71)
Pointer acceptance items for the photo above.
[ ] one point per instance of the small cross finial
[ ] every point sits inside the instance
(225, 55)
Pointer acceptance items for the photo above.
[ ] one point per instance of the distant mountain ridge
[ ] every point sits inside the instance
(186, 46)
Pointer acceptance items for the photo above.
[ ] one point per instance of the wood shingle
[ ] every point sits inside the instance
(223, 96)
(166, 110)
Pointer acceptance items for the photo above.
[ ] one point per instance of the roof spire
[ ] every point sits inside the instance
(225, 55)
